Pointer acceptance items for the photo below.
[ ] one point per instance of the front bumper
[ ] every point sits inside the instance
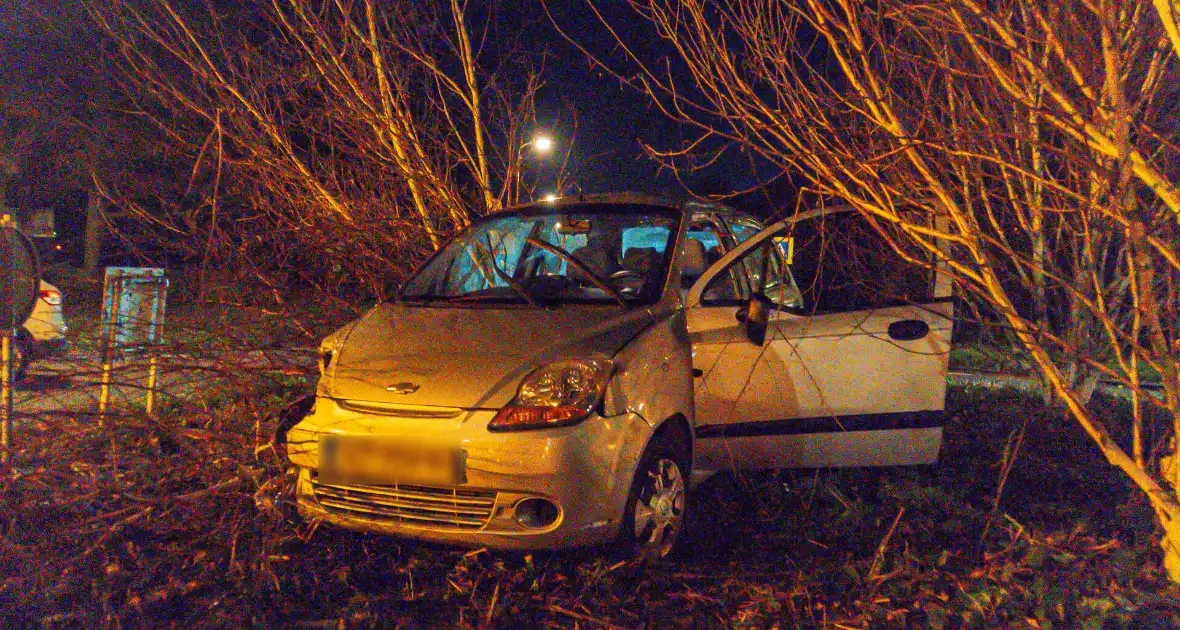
(585, 470)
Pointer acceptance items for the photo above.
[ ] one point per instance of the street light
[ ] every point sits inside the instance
(550, 198)
(542, 144)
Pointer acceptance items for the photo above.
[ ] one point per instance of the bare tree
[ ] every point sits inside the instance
(364, 133)
(1041, 133)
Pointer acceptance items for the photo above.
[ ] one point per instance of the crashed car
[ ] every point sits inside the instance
(559, 372)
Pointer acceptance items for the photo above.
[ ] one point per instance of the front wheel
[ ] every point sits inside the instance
(654, 514)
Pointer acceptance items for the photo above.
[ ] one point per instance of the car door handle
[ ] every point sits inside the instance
(908, 330)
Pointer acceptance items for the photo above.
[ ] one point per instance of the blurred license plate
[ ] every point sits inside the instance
(380, 461)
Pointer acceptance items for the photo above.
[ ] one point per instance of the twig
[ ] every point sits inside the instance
(114, 530)
(880, 556)
(492, 606)
(1010, 452)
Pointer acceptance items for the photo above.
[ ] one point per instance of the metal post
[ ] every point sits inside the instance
(108, 352)
(7, 340)
(153, 369)
(6, 378)
(154, 343)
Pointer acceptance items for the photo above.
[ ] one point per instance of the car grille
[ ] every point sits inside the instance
(457, 508)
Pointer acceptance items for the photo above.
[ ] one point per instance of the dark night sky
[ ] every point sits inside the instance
(611, 118)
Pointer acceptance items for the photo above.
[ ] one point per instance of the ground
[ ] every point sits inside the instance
(183, 520)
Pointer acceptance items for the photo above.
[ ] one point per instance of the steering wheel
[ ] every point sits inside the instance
(632, 281)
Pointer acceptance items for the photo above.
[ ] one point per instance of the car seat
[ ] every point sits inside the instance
(693, 262)
(596, 257)
(643, 260)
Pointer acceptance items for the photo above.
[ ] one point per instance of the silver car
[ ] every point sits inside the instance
(556, 374)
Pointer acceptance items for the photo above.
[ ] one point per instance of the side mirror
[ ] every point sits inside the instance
(756, 317)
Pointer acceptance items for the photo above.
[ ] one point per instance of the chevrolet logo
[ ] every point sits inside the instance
(403, 388)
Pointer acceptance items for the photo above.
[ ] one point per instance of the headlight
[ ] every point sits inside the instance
(558, 394)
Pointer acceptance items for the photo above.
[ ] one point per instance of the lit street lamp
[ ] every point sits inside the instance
(542, 144)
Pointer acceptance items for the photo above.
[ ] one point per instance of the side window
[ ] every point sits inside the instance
(843, 263)
(743, 230)
(702, 247)
(763, 270)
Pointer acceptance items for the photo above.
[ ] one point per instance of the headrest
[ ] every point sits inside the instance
(596, 260)
(642, 259)
(692, 258)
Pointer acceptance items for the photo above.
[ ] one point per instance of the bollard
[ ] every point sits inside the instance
(110, 327)
(6, 386)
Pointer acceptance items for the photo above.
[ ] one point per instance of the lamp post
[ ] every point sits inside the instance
(542, 145)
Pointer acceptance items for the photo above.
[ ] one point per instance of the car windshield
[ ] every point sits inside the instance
(586, 253)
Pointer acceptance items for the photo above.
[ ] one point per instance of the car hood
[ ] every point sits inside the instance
(467, 357)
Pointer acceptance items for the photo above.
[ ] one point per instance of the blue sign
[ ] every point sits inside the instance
(133, 306)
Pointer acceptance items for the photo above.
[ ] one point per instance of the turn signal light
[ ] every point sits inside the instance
(511, 418)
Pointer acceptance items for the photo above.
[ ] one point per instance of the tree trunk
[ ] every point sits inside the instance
(1170, 541)
(94, 229)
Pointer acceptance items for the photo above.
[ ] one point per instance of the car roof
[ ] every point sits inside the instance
(694, 205)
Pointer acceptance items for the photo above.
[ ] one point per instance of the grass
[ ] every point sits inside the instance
(969, 356)
(239, 317)
(980, 357)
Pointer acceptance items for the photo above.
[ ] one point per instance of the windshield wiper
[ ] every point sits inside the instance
(425, 299)
(569, 258)
(485, 298)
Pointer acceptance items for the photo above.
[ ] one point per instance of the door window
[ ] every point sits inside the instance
(763, 271)
(843, 263)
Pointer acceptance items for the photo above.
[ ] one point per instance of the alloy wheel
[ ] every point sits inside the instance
(659, 508)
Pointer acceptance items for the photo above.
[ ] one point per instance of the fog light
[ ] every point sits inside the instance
(536, 513)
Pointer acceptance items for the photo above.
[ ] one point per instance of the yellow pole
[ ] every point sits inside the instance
(108, 351)
(7, 369)
(153, 369)
(104, 394)
(5, 394)
(154, 344)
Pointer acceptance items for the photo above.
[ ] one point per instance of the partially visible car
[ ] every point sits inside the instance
(43, 334)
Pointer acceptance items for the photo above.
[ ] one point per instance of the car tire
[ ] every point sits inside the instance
(653, 516)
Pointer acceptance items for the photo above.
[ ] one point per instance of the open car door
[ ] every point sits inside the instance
(815, 344)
